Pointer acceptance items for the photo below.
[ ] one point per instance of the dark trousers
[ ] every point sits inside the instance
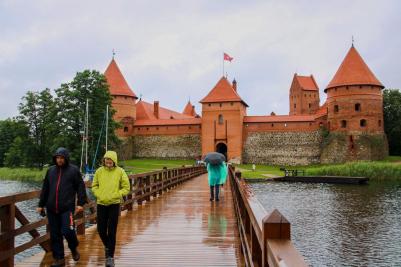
(107, 220)
(61, 224)
(216, 191)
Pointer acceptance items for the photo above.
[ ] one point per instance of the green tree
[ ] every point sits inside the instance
(16, 153)
(392, 119)
(71, 99)
(9, 130)
(38, 112)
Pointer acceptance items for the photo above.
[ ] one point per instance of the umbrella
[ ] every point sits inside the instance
(214, 158)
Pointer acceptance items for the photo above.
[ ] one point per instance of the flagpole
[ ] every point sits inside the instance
(223, 64)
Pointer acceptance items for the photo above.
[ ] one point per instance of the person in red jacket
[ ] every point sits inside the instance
(62, 183)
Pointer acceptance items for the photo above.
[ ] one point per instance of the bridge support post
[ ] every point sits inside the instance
(7, 222)
(275, 226)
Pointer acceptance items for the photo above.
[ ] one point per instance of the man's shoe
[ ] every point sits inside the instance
(109, 262)
(75, 255)
(58, 263)
(106, 253)
(211, 199)
(217, 199)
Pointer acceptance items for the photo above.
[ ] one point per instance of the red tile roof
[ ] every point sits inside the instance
(115, 79)
(353, 71)
(280, 118)
(322, 111)
(307, 82)
(222, 92)
(145, 111)
(189, 109)
(190, 121)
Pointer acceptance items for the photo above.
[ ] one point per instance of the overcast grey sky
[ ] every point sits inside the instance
(172, 50)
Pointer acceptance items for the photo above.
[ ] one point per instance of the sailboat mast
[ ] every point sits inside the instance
(87, 132)
(107, 123)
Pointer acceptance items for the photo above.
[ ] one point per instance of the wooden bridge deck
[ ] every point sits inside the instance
(180, 228)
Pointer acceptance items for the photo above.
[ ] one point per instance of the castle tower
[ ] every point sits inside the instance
(355, 108)
(124, 99)
(189, 109)
(223, 113)
(304, 95)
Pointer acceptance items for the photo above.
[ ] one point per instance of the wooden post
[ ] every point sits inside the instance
(129, 197)
(81, 227)
(140, 192)
(148, 188)
(7, 222)
(274, 225)
(155, 181)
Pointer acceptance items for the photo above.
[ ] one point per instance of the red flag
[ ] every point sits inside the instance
(227, 57)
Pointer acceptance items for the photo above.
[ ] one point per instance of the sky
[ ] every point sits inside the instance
(172, 51)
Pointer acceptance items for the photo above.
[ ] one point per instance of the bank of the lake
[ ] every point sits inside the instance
(22, 174)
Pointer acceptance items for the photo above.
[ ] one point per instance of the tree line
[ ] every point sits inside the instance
(47, 121)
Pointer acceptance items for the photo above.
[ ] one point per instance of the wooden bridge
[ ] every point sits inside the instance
(167, 220)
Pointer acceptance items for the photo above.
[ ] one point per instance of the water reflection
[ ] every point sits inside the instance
(340, 225)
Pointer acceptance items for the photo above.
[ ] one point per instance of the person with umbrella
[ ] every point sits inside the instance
(217, 172)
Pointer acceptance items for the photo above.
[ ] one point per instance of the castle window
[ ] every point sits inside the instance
(363, 123)
(221, 119)
(347, 87)
(209, 104)
(285, 124)
(125, 97)
(343, 124)
(139, 128)
(157, 128)
(232, 103)
(357, 107)
(380, 123)
(221, 104)
(310, 105)
(272, 124)
(336, 108)
(125, 129)
(147, 128)
(295, 105)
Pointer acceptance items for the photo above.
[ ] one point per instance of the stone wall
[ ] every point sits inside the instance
(282, 148)
(186, 146)
(341, 147)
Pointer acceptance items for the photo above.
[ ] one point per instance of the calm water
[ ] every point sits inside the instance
(340, 225)
(27, 208)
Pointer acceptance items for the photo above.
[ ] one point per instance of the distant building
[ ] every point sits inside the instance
(348, 126)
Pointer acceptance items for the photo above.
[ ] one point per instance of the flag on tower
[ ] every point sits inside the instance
(227, 57)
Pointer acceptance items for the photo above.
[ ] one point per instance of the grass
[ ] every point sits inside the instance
(22, 174)
(375, 170)
(261, 171)
(139, 165)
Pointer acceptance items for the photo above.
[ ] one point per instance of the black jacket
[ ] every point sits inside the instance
(61, 186)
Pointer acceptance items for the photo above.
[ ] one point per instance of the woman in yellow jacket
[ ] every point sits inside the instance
(109, 186)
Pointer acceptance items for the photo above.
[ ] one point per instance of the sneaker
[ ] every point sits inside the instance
(75, 255)
(110, 262)
(58, 263)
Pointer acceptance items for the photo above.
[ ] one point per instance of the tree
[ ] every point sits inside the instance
(38, 112)
(9, 130)
(15, 154)
(71, 99)
(392, 119)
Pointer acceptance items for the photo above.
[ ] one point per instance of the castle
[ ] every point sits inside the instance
(348, 126)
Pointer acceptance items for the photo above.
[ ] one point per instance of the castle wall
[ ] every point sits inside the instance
(282, 148)
(183, 146)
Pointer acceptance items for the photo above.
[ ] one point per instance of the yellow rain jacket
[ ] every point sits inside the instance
(110, 184)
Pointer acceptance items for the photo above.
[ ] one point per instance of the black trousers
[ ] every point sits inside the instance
(216, 190)
(107, 220)
(61, 224)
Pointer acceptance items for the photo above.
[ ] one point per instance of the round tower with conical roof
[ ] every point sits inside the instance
(124, 99)
(355, 109)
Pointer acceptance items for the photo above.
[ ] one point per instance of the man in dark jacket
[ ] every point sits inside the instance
(62, 183)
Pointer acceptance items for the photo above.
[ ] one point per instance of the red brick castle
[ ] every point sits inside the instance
(348, 126)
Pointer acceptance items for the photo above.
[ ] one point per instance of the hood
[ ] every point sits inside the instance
(61, 151)
(111, 155)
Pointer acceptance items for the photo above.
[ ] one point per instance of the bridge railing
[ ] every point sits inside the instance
(143, 187)
(265, 238)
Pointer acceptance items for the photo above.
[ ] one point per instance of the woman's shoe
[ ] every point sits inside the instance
(109, 262)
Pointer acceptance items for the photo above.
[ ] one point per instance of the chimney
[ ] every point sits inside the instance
(235, 85)
(156, 109)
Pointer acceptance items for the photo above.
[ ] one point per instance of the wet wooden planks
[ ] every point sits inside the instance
(181, 228)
